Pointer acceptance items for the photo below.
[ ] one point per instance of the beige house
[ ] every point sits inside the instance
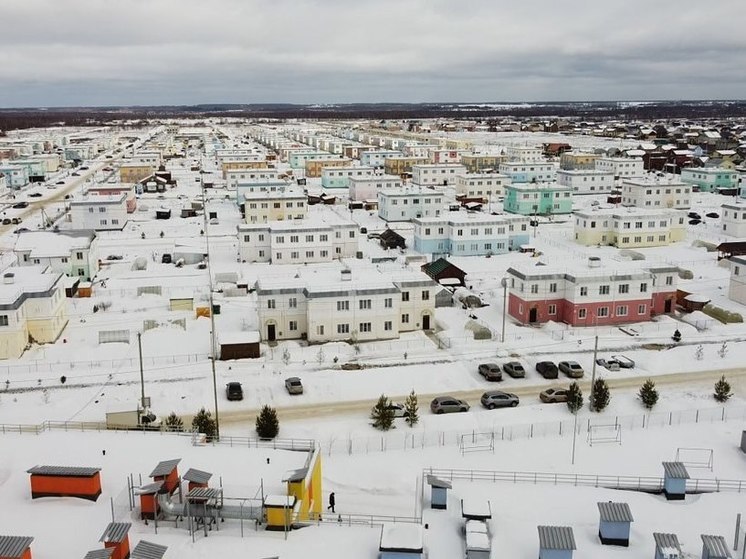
(263, 207)
(237, 165)
(315, 166)
(135, 172)
(630, 227)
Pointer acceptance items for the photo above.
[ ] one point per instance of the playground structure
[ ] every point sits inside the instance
(476, 442)
(602, 434)
(696, 457)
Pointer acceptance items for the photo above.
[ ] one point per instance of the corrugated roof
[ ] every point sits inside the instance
(556, 537)
(66, 471)
(164, 468)
(197, 476)
(147, 550)
(615, 512)
(149, 488)
(104, 553)
(115, 532)
(715, 546)
(675, 470)
(663, 540)
(437, 482)
(203, 493)
(14, 546)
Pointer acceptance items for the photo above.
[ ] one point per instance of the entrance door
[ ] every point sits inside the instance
(426, 322)
(667, 306)
(271, 336)
(533, 315)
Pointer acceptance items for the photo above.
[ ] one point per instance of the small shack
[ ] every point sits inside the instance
(197, 478)
(116, 538)
(399, 541)
(105, 553)
(15, 547)
(71, 285)
(614, 523)
(714, 547)
(148, 550)
(444, 272)
(149, 506)
(239, 345)
(556, 542)
(695, 302)
(181, 302)
(65, 481)
(443, 298)
(674, 480)
(476, 509)
(167, 472)
(85, 289)
(438, 492)
(666, 546)
(391, 239)
(279, 511)
(162, 214)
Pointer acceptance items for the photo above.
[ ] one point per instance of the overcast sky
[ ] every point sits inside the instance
(159, 52)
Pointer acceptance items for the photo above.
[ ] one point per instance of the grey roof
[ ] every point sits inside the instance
(115, 532)
(14, 546)
(615, 512)
(715, 546)
(66, 471)
(203, 493)
(663, 540)
(104, 553)
(296, 475)
(556, 537)
(437, 482)
(675, 470)
(164, 468)
(150, 488)
(147, 550)
(197, 476)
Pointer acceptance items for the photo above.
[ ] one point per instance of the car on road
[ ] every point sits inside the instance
(610, 364)
(60, 182)
(234, 391)
(35, 195)
(554, 394)
(20, 205)
(293, 385)
(76, 174)
(84, 168)
(514, 369)
(21, 230)
(448, 404)
(713, 215)
(498, 399)
(694, 215)
(7, 221)
(571, 368)
(547, 369)
(490, 371)
(624, 361)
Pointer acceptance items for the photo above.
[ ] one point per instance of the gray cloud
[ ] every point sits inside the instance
(89, 52)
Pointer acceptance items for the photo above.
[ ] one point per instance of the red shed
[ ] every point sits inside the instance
(197, 478)
(15, 547)
(65, 481)
(149, 499)
(116, 537)
(167, 473)
(105, 553)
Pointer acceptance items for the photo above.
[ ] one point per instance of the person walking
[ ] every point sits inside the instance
(332, 501)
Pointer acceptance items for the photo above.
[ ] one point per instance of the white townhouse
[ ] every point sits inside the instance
(733, 219)
(586, 181)
(339, 177)
(737, 283)
(234, 177)
(525, 154)
(621, 167)
(470, 234)
(100, 213)
(263, 207)
(333, 306)
(407, 204)
(367, 188)
(32, 307)
(74, 252)
(148, 157)
(630, 227)
(481, 185)
(520, 171)
(376, 158)
(436, 174)
(297, 242)
(657, 192)
(444, 156)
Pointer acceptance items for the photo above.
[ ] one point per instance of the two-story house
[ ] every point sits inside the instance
(332, 177)
(481, 185)
(367, 188)
(470, 234)
(653, 192)
(629, 227)
(263, 207)
(436, 174)
(100, 213)
(710, 179)
(410, 203)
(621, 167)
(74, 252)
(586, 181)
(519, 171)
(538, 199)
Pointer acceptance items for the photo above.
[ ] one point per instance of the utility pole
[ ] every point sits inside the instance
(142, 375)
(212, 307)
(593, 374)
(504, 283)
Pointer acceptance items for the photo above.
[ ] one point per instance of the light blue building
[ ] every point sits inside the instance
(710, 179)
(556, 542)
(538, 199)
(16, 176)
(614, 523)
(376, 158)
(339, 177)
(519, 171)
(297, 159)
(469, 234)
(715, 547)
(666, 546)
(674, 480)
(36, 168)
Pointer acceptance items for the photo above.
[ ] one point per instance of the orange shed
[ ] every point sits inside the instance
(149, 499)
(65, 481)
(15, 547)
(116, 537)
(197, 478)
(105, 553)
(167, 472)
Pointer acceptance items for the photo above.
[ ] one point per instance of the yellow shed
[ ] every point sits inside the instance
(279, 510)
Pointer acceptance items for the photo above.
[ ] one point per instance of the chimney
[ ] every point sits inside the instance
(594, 262)
(346, 275)
(9, 277)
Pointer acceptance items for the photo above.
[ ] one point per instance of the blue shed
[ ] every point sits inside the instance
(714, 547)
(614, 523)
(556, 542)
(666, 546)
(438, 492)
(674, 480)
(401, 541)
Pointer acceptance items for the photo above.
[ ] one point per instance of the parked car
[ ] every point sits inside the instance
(16, 220)
(21, 230)
(547, 369)
(35, 195)
(397, 409)
(610, 364)
(713, 215)
(76, 174)
(490, 371)
(7, 221)
(571, 368)
(234, 391)
(694, 222)
(448, 404)
(60, 182)
(293, 385)
(624, 362)
(498, 399)
(694, 215)
(20, 205)
(84, 168)
(514, 369)
(553, 395)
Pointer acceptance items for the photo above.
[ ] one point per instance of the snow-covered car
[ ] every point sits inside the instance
(610, 364)
(624, 361)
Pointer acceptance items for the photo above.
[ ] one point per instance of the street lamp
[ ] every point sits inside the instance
(504, 283)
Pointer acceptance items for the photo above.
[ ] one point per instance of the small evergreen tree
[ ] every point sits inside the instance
(600, 396)
(174, 422)
(722, 390)
(574, 397)
(648, 394)
(411, 408)
(267, 424)
(382, 414)
(203, 422)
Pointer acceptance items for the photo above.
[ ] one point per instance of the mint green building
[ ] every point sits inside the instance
(548, 198)
(710, 179)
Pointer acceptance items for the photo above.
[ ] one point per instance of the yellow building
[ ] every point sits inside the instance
(314, 166)
(234, 165)
(630, 228)
(304, 500)
(401, 165)
(476, 163)
(576, 160)
(135, 172)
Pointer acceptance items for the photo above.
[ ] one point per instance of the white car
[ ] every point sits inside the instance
(398, 409)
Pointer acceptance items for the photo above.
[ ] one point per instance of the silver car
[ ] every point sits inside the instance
(448, 404)
(293, 385)
(571, 368)
(498, 399)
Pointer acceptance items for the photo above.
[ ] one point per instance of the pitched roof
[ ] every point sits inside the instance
(438, 266)
(437, 482)
(390, 234)
(197, 476)
(63, 471)
(615, 512)
(147, 550)
(666, 541)
(715, 546)
(165, 467)
(104, 553)
(14, 546)
(556, 537)
(115, 532)
(675, 470)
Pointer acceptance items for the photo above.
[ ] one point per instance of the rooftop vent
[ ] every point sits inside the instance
(9, 277)
(594, 262)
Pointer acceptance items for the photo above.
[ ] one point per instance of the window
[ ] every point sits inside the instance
(621, 310)
(79, 255)
(425, 295)
(582, 313)
(643, 287)
(534, 288)
(324, 253)
(102, 210)
(343, 305)
(603, 289)
(271, 304)
(3, 319)
(641, 309)
(293, 238)
(405, 295)
(583, 291)
(669, 280)
(623, 288)
(320, 330)
(365, 327)
(552, 288)
(293, 302)
(295, 255)
(552, 309)
(309, 238)
(309, 254)
(387, 326)
(602, 312)
(365, 304)
(292, 325)
(405, 319)
(90, 210)
(343, 328)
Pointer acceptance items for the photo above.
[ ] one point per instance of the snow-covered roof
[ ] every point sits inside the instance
(475, 508)
(279, 501)
(407, 538)
(27, 280)
(477, 541)
(232, 338)
(44, 244)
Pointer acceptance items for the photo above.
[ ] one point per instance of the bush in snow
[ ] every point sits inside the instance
(267, 424)
(382, 414)
(203, 422)
(648, 394)
(722, 390)
(574, 397)
(174, 422)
